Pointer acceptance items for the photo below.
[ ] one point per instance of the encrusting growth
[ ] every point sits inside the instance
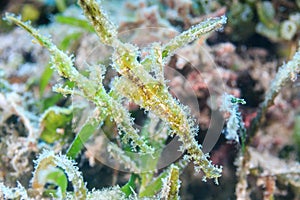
(49, 159)
(139, 81)
(288, 71)
(171, 185)
(150, 92)
(92, 91)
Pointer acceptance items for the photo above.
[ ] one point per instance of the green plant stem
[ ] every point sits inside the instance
(74, 22)
(130, 185)
(84, 134)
